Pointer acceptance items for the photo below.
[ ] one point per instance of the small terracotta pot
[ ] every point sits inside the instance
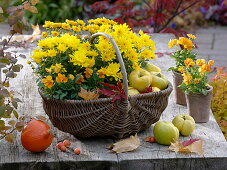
(199, 105)
(179, 94)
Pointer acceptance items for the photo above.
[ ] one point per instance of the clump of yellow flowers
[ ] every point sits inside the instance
(65, 60)
(186, 46)
(195, 75)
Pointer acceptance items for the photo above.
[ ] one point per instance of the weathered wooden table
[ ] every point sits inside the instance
(94, 153)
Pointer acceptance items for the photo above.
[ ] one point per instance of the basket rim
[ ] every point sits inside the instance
(166, 90)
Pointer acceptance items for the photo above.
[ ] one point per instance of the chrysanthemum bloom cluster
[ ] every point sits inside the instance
(186, 46)
(195, 75)
(67, 61)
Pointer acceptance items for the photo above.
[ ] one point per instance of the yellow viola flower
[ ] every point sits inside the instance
(205, 68)
(186, 43)
(172, 43)
(187, 78)
(211, 62)
(48, 82)
(189, 62)
(61, 78)
(196, 81)
(191, 36)
(55, 33)
(44, 34)
(181, 69)
(88, 72)
(200, 62)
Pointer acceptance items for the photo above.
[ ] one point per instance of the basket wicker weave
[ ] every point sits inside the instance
(101, 117)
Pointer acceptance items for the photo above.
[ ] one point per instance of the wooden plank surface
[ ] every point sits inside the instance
(94, 155)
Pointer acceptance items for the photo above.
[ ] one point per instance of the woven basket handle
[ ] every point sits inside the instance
(120, 59)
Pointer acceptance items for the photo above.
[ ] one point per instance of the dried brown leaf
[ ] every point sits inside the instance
(20, 125)
(126, 145)
(195, 147)
(87, 95)
(9, 138)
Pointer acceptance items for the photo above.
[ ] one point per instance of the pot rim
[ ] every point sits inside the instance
(209, 91)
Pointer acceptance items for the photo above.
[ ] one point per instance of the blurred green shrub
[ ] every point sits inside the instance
(55, 10)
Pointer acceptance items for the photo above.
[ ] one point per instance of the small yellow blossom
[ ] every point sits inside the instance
(200, 62)
(62, 47)
(205, 68)
(196, 81)
(180, 69)
(187, 78)
(65, 26)
(48, 70)
(48, 82)
(71, 77)
(186, 43)
(211, 62)
(28, 62)
(61, 78)
(191, 36)
(189, 62)
(172, 43)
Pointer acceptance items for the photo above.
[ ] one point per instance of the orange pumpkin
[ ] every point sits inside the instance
(36, 136)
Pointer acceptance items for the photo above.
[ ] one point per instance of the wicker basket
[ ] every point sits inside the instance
(101, 117)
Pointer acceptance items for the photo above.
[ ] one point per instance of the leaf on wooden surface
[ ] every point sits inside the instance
(189, 146)
(126, 145)
(12, 122)
(9, 138)
(87, 95)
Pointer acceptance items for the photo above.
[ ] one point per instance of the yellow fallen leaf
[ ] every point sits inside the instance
(126, 145)
(87, 95)
(194, 147)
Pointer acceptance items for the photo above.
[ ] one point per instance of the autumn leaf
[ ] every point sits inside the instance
(9, 138)
(87, 95)
(189, 146)
(40, 117)
(34, 2)
(20, 125)
(125, 145)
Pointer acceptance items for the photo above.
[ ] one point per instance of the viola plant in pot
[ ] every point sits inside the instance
(198, 91)
(185, 51)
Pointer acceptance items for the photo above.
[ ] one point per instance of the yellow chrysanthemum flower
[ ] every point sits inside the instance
(44, 34)
(55, 33)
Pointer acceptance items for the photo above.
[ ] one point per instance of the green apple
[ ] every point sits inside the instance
(165, 132)
(184, 123)
(140, 79)
(132, 91)
(151, 67)
(158, 80)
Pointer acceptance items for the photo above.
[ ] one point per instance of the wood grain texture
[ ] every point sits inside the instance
(94, 153)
